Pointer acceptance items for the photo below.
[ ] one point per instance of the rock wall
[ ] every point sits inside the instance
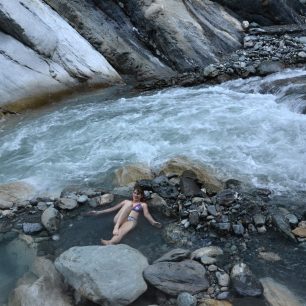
(40, 53)
(268, 12)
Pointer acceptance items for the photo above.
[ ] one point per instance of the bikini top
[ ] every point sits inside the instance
(138, 208)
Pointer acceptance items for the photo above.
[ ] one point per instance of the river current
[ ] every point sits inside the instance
(232, 128)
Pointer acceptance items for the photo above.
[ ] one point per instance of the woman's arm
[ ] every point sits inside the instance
(105, 211)
(148, 216)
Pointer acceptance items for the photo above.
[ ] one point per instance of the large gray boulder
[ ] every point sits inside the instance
(107, 275)
(176, 277)
(41, 53)
(268, 12)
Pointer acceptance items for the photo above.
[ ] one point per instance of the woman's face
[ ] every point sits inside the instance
(136, 195)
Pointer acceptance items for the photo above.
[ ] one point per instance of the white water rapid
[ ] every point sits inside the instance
(233, 128)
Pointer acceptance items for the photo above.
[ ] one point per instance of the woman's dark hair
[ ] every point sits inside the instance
(140, 191)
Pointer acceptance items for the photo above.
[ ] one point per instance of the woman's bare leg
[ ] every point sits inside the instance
(123, 230)
(122, 215)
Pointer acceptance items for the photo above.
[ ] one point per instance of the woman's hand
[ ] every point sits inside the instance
(157, 224)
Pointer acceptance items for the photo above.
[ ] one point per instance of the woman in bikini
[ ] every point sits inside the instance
(126, 219)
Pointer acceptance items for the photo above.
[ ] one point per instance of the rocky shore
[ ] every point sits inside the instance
(201, 208)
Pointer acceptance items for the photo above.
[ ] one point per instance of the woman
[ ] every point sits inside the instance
(126, 219)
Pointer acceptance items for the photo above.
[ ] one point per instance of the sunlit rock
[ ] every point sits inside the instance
(14, 192)
(180, 164)
(131, 173)
(279, 295)
(103, 274)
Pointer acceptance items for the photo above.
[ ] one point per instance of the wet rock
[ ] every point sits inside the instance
(211, 209)
(269, 256)
(259, 220)
(51, 219)
(93, 272)
(244, 281)
(105, 199)
(282, 225)
(279, 295)
(211, 251)
(226, 197)
(223, 279)
(157, 202)
(269, 67)
(176, 277)
(194, 217)
(189, 186)
(207, 260)
(223, 296)
(162, 186)
(292, 219)
(174, 255)
(42, 206)
(186, 299)
(32, 228)
(82, 199)
(67, 203)
(261, 229)
(238, 229)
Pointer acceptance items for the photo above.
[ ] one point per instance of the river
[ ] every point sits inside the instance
(235, 129)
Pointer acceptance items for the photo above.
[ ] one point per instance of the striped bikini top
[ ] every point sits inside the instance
(138, 208)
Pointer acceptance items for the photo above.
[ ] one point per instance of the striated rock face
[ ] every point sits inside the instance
(109, 30)
(40, 53)
(267, 12)
(187, 34)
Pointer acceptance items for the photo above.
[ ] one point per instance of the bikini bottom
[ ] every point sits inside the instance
(130, 218)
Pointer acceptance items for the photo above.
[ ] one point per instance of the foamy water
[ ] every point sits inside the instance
(232, 128)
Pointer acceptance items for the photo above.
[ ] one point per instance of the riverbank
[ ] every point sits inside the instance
(221, 224)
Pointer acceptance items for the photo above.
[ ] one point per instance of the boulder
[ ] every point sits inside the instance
(105, 199)
(67, 203)
(157, 202)
(186, 299)
(176, 277)
(180, 164)
(244, 281)
(103, 274)
(51, 219)
(211, 302)
(132, 173)
(32, 66)
(15, 192)
(278, 295)
(300, 232)
(174, 255)
(211, 251)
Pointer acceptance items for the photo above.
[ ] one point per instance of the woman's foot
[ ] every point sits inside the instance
(105, 242)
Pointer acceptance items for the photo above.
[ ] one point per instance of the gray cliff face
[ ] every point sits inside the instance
(41, 54)
(187, 35)
(150, 39)
(268, 12)
(110, 31)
